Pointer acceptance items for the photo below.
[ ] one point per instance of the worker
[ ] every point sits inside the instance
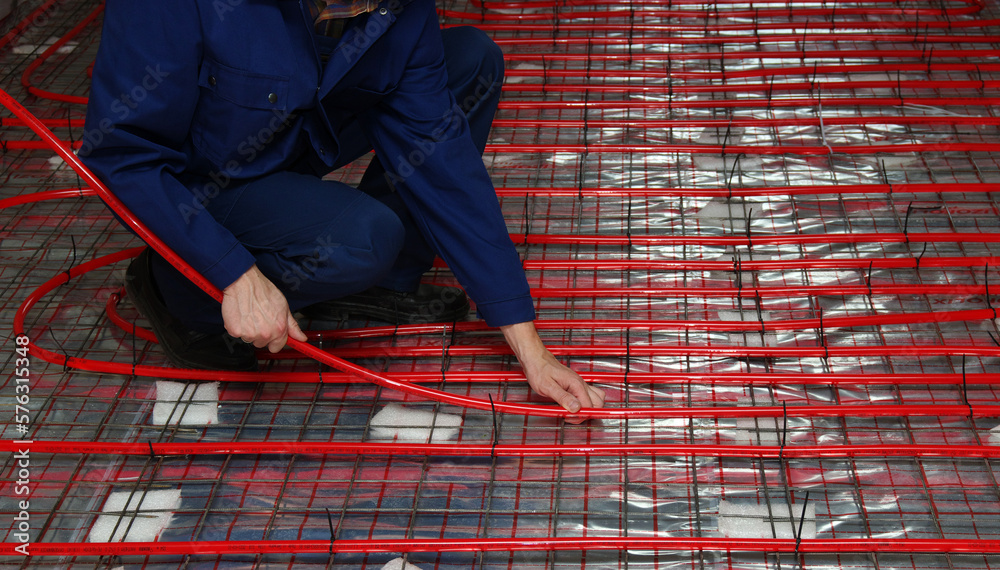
(215, 121)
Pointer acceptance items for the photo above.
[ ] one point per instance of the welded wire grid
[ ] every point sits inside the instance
(687, 136)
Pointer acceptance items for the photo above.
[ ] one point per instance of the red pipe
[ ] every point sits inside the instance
(26, 76)
(519, 544)
(455, 449)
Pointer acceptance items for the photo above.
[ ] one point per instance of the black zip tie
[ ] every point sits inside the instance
(929, 56)
(923, 250)
(986, 282)
(916, 24)
(802, 520)
(805, 31)
(152, 455)
(756, 26)
(3, 145)
(982, 83)
(868, 278)
(628, 356)
(579, 175)
(738, 268)
(61, 349)
(760, 313)
(525, 215)
(784, 430)
(965, 387)
(333, 536)
(748, 220)
(555, 27)
(885, 176)
(812, 82)
(631, 34)
(995, 340)
(906, 222)
(725, 138)
(545, 76)
(732, 172)
(722, 61)
(899, 85)
(944, 12)
(822, 336)
(496, 433)
(770, 91)
(68, 272)
(628, 225)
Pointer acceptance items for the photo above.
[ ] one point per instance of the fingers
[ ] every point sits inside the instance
(294, 330)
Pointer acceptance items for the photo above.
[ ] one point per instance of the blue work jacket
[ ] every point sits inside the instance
(190, 96)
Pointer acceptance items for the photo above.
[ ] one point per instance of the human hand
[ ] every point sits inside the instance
(254, 310)
(547, 376)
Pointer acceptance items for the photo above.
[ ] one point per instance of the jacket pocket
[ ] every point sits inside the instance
(239, 112)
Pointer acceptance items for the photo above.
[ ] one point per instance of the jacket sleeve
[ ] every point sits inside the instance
(422, 137)
(143, 96)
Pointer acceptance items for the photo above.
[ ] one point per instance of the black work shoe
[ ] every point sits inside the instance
(428, 304)
(185, 348)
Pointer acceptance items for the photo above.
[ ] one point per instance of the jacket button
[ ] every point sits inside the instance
(272, 98)
(382, 11)
(211, 80)
(322, 150)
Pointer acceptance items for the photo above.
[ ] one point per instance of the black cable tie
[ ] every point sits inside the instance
(628, 224)
(868, 278)
(496, 433)
(899, 85)
(822, 336)
(812, 82)
(151, 454)
(929, 56)
(722, 61)
(748, 220)
(760, 313)
(631, 33)
(61, 349)
(906, 222)
(725, 138)
(986, 282)
(885, 176)
(965, 389)
(802, 520)
(68, 272)
(3, 145)
(333, 536)
(770, 91)
(995, 340)
(527, 228)
(732, 172)
(805, 30)
(738, 268)
(545, 76)
(628, 356)
(920, 257)
(982, 83)
(784, 430)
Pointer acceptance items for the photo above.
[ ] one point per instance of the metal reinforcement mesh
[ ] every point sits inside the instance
(769, 231)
